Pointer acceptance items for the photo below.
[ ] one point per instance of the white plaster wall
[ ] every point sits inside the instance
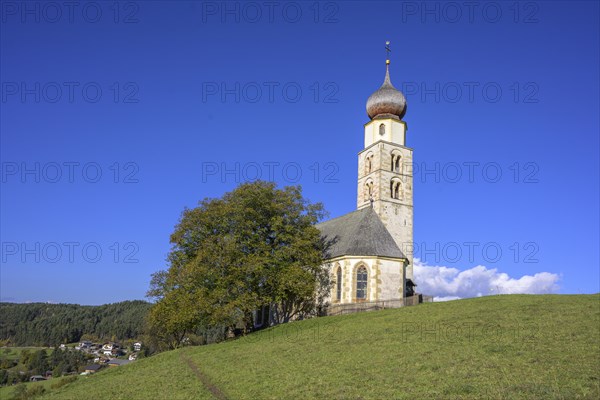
(394, 131)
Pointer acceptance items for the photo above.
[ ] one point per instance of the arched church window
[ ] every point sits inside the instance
(361, 283)
(368, 190)
(338, 283)
(396, 189)
(382, 129)
(396, 162)
(369, 163)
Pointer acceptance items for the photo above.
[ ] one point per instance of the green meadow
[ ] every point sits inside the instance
(496, 347)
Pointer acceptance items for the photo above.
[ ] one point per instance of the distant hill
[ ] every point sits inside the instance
(42, 324)
(496, 347)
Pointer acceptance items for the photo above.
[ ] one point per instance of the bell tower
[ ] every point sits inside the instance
(385, 180)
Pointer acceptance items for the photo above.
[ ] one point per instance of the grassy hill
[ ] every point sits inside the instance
(499, 347)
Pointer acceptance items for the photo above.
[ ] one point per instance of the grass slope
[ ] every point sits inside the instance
(499, 347)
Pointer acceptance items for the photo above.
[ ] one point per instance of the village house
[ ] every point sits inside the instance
(111, 349)
(83, 345)
(117, 363)
(90, 369)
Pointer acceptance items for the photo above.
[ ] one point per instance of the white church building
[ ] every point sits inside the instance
(371, 248)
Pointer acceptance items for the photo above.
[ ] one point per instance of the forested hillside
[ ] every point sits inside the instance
(41, 324)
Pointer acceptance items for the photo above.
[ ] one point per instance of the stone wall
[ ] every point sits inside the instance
(396, 214)
(384, 278)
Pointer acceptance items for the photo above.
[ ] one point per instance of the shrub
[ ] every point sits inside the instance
(35, 391)
(64, 381)
(22, 393)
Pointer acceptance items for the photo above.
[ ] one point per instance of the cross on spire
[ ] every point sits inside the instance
(387, 51)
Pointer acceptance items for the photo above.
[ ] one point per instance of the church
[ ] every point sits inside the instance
(371, 253)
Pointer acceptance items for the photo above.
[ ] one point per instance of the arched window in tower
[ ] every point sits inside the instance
(368, 163)
(396, 162)
(361, 283)
(338, 284)
(382, 129)
(396, 189)
(368, 190)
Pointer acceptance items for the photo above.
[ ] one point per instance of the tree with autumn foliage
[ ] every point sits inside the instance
(255, 246)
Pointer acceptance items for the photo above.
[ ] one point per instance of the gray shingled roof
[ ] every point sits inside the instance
(359, 233)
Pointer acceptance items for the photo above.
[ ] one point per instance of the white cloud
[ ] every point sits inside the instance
(446, 298)
(445, 283)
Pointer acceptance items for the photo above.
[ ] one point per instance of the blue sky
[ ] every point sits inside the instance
(115, 118)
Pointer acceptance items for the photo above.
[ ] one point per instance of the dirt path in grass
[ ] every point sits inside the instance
(204, 379)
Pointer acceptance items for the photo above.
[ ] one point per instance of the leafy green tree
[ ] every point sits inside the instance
(38, 362)
(14, 377)
(58, 370)
(25, 356)
(3, 377)
(255, 246)
(170, 319)
(7, 363)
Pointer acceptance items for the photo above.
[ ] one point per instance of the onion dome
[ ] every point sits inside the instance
(387, 101)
